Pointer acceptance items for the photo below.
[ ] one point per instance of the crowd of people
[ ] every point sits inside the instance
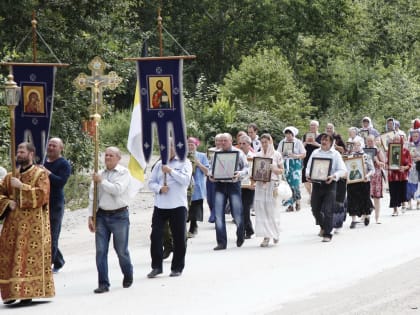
(343, 176)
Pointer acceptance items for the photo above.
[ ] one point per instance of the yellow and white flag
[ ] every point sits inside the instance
(137, 163)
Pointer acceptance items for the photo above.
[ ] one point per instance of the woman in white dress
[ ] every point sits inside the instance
(267, 201)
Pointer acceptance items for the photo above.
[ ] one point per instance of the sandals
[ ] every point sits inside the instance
(265, 242)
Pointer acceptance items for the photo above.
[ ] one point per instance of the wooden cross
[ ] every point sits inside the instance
(97, 82)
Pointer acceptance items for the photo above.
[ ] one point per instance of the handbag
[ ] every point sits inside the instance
(283, 190)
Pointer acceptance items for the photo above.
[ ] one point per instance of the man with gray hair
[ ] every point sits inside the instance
(58, 170)
(230, 189)
(112, 218)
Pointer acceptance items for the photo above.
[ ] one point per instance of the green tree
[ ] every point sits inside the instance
(264, 82)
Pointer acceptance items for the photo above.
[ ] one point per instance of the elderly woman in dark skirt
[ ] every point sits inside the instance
(359, 203)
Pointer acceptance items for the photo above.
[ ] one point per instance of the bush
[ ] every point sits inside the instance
(114, 129)
(76, 191)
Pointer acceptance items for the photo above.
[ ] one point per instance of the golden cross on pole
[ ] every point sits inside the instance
(96, 82)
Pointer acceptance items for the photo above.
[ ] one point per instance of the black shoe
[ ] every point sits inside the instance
(154, 273)
(127, 281)
(367, 220)
(175, 273)
(247, 237)
(353, 224)
(220, 247)
(239, 242)
(25, 302)
(9, 302)
(57, 268)
(101, 289)
(166, 252)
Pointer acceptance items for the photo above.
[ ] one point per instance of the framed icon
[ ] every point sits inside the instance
(371, 152)
(355, 169)
(33, 99)
(320, 169)
(287, 148)
(349, 146)
(394, 156)
(160, 92)
(261, 170)
(224, 164)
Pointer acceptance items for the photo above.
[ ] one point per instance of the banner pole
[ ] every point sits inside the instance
(34, 23)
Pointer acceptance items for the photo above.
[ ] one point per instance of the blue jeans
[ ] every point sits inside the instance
(231, 191)
(210, 188)
(56, 219)
(118, 225)
(177, 218)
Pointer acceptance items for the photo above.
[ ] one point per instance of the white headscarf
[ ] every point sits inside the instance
(294, 130)
(369, 120)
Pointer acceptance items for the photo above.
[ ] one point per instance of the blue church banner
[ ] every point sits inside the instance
(33, 114)
(161, 102)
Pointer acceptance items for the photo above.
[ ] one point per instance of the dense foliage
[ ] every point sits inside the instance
(274, 62)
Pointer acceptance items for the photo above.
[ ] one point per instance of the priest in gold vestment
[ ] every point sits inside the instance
(25, 239)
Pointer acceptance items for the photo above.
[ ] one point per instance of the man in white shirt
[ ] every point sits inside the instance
(111, 218)
(324, 192)
(169, 183)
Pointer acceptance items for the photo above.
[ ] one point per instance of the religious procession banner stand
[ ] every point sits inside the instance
(97, 81)
(161, 101)
(33, 113)
(160, 84)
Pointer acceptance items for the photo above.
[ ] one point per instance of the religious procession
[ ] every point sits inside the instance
(248, 172)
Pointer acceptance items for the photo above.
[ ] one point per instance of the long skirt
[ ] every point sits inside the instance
(398, 193)
(267, 210)
(358, 199)
(293, 176)
(340, 209)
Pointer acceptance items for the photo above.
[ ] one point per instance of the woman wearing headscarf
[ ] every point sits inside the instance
(413, 175)
(292, 165)
(267, 199)
(377, 178)
(397, 179)
(359, 203)
(368, 126)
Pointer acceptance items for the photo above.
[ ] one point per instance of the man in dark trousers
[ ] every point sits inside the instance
(58, 170)
(169, 183)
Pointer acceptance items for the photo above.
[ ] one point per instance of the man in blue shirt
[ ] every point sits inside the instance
(200, 165)
(59, 170)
